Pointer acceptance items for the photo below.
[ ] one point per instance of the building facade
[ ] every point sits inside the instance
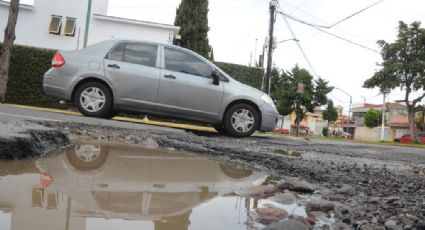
(65, 25)
(396, 121)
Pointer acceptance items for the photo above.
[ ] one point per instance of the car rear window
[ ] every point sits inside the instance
(135, 53)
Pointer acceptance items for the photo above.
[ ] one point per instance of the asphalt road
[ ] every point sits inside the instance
(313, 148)
(386, 181)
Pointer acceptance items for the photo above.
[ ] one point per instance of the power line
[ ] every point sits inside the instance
(356, 13)
(299, 45)
(339, 100)
(336, 23)
(347, 40)
(299, 5)
(304, 12)
(319, 19)
(327, 32)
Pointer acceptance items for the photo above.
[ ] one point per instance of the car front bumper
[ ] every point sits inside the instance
(269, 117)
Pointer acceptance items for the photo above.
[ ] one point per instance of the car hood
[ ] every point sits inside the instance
(253, 91)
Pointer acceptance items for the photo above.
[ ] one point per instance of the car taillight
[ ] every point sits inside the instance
(58, 61)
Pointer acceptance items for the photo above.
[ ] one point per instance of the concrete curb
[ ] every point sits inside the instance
(125, 119)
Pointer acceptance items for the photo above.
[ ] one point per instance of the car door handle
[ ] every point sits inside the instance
(170, 76)
(114, 66)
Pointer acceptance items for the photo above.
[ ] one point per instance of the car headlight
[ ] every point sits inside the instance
(266, 98)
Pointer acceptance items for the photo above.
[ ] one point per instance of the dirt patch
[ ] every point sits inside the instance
(31, 143)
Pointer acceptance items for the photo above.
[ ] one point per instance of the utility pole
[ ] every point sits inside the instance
(384, 93)
(349, 109)
(255, 54)
(267, 84)
(88, 18)
(364, 99)
(300, 92)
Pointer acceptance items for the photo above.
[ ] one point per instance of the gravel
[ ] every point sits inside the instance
(364, 186)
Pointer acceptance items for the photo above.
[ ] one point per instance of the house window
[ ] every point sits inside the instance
(55, 24)
(70, 25)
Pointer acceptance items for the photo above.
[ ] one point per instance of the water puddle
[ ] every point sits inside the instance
(89, 187)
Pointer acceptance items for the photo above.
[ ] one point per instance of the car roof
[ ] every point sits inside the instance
(147, 41)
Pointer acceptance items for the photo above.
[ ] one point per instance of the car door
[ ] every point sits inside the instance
(186, 86)
(133, 69)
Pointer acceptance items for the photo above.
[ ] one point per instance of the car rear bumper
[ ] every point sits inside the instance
(269, 118)
(56, 86)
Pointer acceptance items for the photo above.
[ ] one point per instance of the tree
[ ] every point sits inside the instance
(420, 121)
(6, 51)
(288, 100)
(372, 118)
(403, 67)
(330, 113)
(192, 17)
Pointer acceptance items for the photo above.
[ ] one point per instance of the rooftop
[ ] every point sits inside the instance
(136, 22)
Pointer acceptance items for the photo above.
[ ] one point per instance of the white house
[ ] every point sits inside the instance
(62, 24)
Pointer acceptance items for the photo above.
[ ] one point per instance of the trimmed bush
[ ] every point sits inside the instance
(325, 131)
(28, 64)
(25, 82)
(248, 75)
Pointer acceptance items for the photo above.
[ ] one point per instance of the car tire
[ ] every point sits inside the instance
(220, 129)
(94, 99)
(112, 114)
(234, 172)
(241, 120)
(87, 163)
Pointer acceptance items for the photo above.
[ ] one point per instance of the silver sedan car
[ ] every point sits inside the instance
(157, 79)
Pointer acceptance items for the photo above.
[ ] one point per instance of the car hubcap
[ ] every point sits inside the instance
(87, 153)
(242, 120)
(92, 99)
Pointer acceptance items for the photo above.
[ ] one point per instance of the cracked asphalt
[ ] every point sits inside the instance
(388, 181)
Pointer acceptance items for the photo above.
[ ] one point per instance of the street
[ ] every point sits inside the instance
(368, 185)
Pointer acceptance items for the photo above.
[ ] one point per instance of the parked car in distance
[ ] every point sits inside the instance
(157, 79)
(346, 135)
(408, 139)
(281, 131)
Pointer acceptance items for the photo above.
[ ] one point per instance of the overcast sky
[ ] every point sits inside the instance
(236, 24)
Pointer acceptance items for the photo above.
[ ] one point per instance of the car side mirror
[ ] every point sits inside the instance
(216, 77)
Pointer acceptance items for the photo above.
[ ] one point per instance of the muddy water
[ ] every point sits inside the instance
(90, 187)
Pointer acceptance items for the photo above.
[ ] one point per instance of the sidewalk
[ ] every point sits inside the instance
(126, 119)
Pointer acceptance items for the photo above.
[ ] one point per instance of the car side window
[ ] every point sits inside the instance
(180, 61)
(135, 53)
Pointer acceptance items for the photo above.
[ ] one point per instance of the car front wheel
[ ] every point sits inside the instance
(94, 99)
(241, 120)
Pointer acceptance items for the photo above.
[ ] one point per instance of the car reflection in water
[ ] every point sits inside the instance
(105, 182)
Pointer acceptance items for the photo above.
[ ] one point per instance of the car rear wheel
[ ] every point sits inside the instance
(87, 157)
(93, 99)
(241, 120)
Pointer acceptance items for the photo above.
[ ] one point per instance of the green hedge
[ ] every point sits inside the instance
(28, 64)
(248, 75)
(25, 83)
